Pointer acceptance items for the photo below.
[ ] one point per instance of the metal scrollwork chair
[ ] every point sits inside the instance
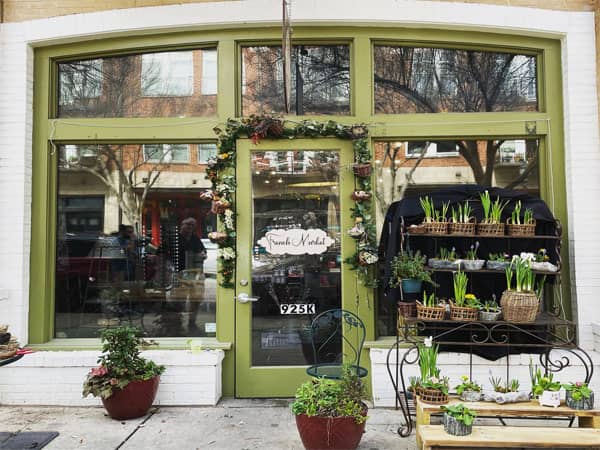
(337, 338)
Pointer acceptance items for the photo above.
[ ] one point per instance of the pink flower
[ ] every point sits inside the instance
(99, 371)
(579, 384)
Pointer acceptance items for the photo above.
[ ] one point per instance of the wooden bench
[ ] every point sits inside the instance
(587, 419)
(493, 437)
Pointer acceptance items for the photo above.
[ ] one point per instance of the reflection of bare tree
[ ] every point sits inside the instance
(432, 80)
(125, 172)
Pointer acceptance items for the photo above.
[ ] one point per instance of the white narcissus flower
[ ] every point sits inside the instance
(227, 253)
(525, 256)
(229, 219)
(428, 341)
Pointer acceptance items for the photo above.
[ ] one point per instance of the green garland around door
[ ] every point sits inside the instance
(221, 173)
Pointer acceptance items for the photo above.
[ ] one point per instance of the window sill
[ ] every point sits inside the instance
(163, 344)
(382, 342)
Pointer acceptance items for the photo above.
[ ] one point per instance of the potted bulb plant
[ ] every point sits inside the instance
(126, 382)
(446, 259)
(462, 220)
(517, 226)
(331, 414)
(543, 387)
(458, 419)
(472, 262)
(409, 273)
(579, 396)
(492, 224)
(490, 311)
(520, 305)
(432, 388)
(465, 306)
(435, 220)
(468, 390)
(498, 261)
(431, 308)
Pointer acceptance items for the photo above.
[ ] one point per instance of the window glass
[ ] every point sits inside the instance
(162, 84)
(402, 170)
(167, 74)
(205, 152)
(320, 80)
(132, 243)
(167, 153)
(431, 80)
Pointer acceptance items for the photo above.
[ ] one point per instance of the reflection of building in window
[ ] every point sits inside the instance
(168, 74)
(166, 153)
(81, 214)
(79, 81)
(74, 155)
(205, 152)
(512, 152)
(438, 149)
(209, 72)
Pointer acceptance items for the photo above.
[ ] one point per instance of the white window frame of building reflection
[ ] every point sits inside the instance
(209, 72)
(172, 74)
(431, 152)
(77, 154)
(167, 153)
(206, 151)
(513, 152)
(89, 87)
(290, 165)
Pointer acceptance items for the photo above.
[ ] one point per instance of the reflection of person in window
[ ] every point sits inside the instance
(191, 250)
(124, 266)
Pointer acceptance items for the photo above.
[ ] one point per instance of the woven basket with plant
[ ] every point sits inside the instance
(465, 307)
(515, 226)
(521, 305)
(431, 387)
(461, 221)
(491, 225)
(430, 309)
(435, 220)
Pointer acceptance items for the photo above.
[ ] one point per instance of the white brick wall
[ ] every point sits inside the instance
(56, 378)
(454, 365)
(582, 160)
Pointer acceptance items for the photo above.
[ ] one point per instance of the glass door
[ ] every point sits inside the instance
(289, 260)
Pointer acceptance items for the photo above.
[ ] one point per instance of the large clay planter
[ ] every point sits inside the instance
(134, 400)
(325, 433)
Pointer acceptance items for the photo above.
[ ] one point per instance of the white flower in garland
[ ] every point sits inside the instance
(228, 219)
(223, 188)
(227, 253)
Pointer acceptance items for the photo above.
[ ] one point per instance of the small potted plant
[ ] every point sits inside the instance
(462, 220)
(543, 387)
(432, 388)
(126, 382)
(446, 259)
(472, 262)
(541, 261)
(579, 396)
(435, 220)
(520, 305)
(515, 226)
(362, 163)
(465, 307)
(331, 414)
(492, 224)
(505, 392)
(498, 261)
(490, 311)
(430, 308)
(468, 390)
(408, 271)
(458, 419)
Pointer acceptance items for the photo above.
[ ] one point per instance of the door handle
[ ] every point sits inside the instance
(245, 298)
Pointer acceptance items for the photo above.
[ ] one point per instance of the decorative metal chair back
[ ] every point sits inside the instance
(337, 333)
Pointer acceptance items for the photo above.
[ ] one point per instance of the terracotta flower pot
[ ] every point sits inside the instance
(321, 433)
(134, 400)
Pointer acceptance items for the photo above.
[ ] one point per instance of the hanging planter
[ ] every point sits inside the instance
(362, 170)
(361, 196)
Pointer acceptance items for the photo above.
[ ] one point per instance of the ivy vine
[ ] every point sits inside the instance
(221, 173)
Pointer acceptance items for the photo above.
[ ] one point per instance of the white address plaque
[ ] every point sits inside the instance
(297, 308)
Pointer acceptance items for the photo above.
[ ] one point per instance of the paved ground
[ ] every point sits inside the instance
(232, 425)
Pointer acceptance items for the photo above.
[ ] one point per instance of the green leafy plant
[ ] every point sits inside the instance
(472, 301)
(429, 300)
(499, 257)
(524, 275)
(448, 255)
(528, 216)
(579, 390)
(515, 217)
(492, 211)
(120, 363)
(462, 213)
(461, 413)
(503, 387)
(428, 352)
(467, 385)
(490, 306)
(407, 265)
(541, 382)
(542, 255)
(428, 208)
(333, 398)
(460, 287)
(472, 252)
(442, 214)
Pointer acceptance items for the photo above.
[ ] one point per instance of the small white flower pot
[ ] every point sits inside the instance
(550, 398)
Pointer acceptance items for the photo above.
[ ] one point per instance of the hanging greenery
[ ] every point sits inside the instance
(221, 173)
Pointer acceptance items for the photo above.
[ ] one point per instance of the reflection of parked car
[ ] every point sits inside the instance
(210, 263)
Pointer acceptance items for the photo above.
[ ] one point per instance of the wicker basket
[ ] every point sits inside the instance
(407, 309)
(417, 229)
(519, 307)
(462, 227)
(436, 227)
(463, 313)
(362, 170)
(432, 396)
(490, 229)
(430, 312)
(527, 229)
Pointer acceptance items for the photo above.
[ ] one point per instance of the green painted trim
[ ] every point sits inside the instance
(162, 344)
(382, 342)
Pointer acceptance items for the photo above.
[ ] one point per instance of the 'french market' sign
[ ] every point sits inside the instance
(295, 241)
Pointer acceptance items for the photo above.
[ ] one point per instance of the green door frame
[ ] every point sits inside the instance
(252, 381)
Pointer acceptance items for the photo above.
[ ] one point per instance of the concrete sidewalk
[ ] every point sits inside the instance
(233, 425)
